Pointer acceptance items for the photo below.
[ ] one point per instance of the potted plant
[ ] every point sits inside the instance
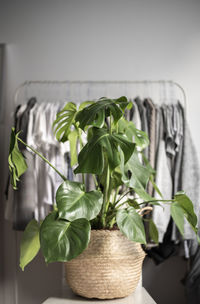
(98, 233)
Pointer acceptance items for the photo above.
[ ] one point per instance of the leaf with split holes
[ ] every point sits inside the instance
(95, 114)
(91, 157)
(64, 120)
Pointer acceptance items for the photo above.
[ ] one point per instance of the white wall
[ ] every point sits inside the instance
(101, 40)
(107, 39)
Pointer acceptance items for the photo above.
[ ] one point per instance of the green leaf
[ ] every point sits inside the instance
(95, 113)
(153, 232)
(130, 105)
(177, 214)
(30, 243)
(123, 103)
(85, 104)
(147, 164)
(16, 161)
(102, 141)
(74, 203)
(130, 223)
(153, 172)
(128, 127)
(64, 120)
(73, 136)
(187, 206)
(61, 240)
(134, 174)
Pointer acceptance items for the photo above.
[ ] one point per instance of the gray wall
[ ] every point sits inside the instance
(95, 40)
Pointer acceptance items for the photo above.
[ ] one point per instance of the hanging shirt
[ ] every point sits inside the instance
(161, 215)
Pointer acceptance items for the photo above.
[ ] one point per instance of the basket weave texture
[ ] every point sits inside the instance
(109, 268)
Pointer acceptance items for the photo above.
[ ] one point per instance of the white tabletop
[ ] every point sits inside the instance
(140, 296)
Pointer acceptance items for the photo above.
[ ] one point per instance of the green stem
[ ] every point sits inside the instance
(83, 178)
(121, 197)
(95, 181)
(146, 202)
(121, 204)
(110, 217)
(81, 147)
(115, 195)
(110, 126)
(43, 158)
(105, 198)
(112, 222)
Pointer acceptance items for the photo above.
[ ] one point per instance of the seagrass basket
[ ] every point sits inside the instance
(109, 268)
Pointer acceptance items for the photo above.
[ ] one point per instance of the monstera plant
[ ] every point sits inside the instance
(108, 147)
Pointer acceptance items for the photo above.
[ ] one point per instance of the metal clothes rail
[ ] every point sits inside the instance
(167, 89)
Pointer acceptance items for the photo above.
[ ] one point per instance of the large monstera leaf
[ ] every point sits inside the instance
(65, 127)
(64, 120)
(95, 113)
(74, 203)
(91, 157)
(62, 240)
(130, 223)
(16, 161)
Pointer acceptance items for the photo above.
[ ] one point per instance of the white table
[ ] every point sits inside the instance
(140, 296)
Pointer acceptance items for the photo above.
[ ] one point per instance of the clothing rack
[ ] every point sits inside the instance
(104, 88)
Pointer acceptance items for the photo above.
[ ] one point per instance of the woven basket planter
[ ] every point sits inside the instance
(109, 268)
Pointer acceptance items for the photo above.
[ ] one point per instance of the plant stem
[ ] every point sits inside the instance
(146, 202)
(160, 200)
(83, 178)
(121, 197)
(110, 217)
(95, 181)
(43, 158)
(115, 195)
(112, 222)
(121, 204)
(110, 127)
(81, 147)
(105, 198)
